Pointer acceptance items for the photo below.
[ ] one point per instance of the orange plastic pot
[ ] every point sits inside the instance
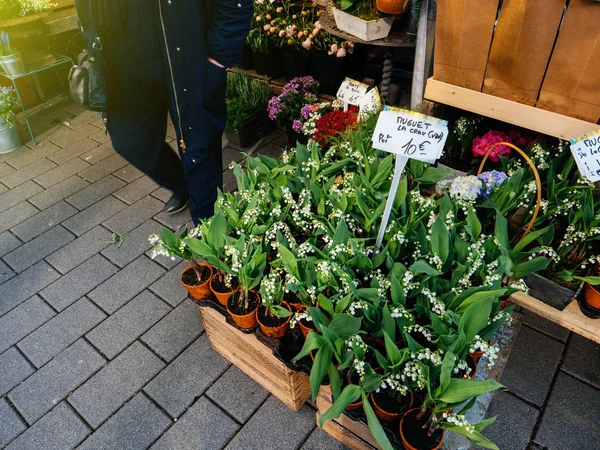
(384, 415)
(247, 320)
(392, 6)
(592, 296)
(354, 406)
(304, 328)
(200, 291)
(405, 443)
(222, 297)
(278, 331)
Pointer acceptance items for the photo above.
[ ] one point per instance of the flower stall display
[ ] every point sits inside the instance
(9, 134)
(14, 9)
(247, 100)
(360, 18)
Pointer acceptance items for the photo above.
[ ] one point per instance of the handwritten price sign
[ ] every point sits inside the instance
(410, 134)
(586, 151)
(351, 91)
(370, 102)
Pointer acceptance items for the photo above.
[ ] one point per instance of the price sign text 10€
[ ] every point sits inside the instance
(410, 134)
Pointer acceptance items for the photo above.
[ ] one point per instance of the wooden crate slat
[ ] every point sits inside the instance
(571, 317)
(521, 48)
(536, 119)
(255, 359)
(345, 436)
(571, 85)
(463, 36)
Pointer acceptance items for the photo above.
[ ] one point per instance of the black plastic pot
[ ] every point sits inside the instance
(295, 62)
(328, 70)
(268, 64)
(295, 138)
(251, 130)
(549, 292)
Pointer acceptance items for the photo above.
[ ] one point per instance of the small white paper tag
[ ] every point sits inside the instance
(370, 102)
(586, 152)
(410, 134)
(351, 91)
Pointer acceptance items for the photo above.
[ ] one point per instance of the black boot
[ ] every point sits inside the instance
(177, 203)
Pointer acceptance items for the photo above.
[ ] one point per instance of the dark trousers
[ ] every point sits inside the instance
(137, 124)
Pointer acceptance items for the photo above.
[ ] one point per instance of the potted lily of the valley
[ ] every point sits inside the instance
(9, 134)
(274, 314)
(196, 278)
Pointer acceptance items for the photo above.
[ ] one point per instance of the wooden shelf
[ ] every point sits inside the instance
(525, 116)
(571, 317)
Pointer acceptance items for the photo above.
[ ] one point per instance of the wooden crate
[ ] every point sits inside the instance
(256, 360)
(352, 433)
(540, 53)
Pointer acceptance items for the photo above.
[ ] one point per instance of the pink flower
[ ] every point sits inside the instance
(482, 144)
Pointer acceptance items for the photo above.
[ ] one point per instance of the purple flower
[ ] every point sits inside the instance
(297, 126)
(492, 180)
(306, 111)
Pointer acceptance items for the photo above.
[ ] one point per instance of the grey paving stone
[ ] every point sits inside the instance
(270, 149)
(103, 168)
(163, 194)
(6, 169)
(6, 273)
(40, 151)
(95, 192)
(99, 397)
(134, 215)
(73, 151)
(135, 426)
(582, 360)
(176, 387)
(22, 320)
(202, 427)
(28, 172)
(61, 331)
(230, 154)
(18, 152)
(78, 282)
(94, 215)
(169, 286)
(545, 326)
(74, 136)
(49, 385)
(13, 369)
(59, 429)
(98, 154)
(164, 261)
(128, 173)
(237, 393)
(18, 194)
(58, 192)
(126, 284)
(320, 440)
(100, 137)
(3, 189)
(45, 244)
(175, 222)
(511, 414)
(25, 285)
(82, 118)
(80, 250)
(571, 417)
(274, 427)
(10, 423)
(229, 181)
(135, 243)
(127, 324)
(43, 221)
(175, 331)
(536, 353)
(60, 173)
(16, 215)
(137, 190)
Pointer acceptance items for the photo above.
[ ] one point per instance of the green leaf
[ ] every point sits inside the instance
(484, 423)
(474, 223)
(475, 318)
(594, 281)
(534, 265)
(342, 304)
(313, 341)
(334, 380)
(371, 383)
(421, 266)
(393, 353)
(388, 323)
(375, 426)
(350, 394)
(289, 261)
(474, 436)
(345, 325)
(534, 235)
(280, 311)
(217, 231)
(440, 239)
(325, 304)
(319, 369)
(502, 230)
(459, 390)
(447, 368)
(342, 234)
(432, 175)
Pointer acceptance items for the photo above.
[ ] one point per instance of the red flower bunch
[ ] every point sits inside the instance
(333, 124)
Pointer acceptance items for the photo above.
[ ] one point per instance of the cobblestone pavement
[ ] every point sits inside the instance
(100, 348)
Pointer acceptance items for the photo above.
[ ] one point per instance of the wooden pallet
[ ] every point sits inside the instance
(256, 360)
(352, 433)
(571, 317)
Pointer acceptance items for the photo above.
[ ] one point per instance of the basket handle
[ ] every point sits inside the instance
(535, 173)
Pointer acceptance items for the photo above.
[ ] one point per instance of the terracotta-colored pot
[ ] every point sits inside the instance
(392, 6)
(592, 296)
(354, 406)
(278, 331)
(222, 297)
(200, 291)
(475, 366)
(478, 354)
(247, 320)
(384, 415)
(405, 443)
(304, 328)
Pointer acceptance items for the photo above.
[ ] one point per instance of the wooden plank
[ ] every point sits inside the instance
(525, 116)
(571, 317)
(347, 438)
(571, 83)
(521, 48)
(463, 36)
(255, 359)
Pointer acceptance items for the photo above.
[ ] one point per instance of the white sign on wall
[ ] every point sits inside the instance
(586, 152)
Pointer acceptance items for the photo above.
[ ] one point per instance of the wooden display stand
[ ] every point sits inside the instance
(256, 360)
